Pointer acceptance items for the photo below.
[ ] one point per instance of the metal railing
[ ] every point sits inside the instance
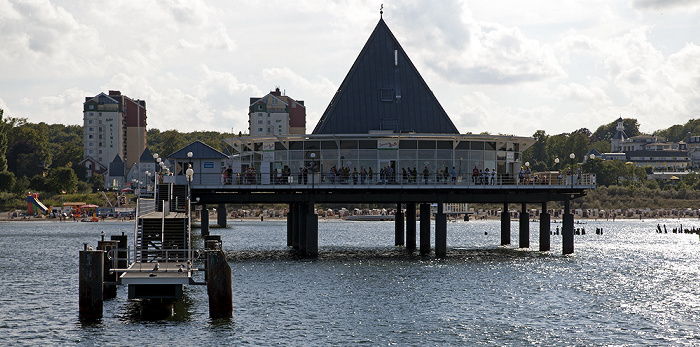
(350, 180)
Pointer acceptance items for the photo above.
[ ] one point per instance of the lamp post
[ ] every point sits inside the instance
(189, 158)
(572, 156)
(313, 167)
(188, 174)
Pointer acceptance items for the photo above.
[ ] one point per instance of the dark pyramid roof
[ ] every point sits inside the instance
(200, 150)
(384, 91)
(146, 156)
(116, 167)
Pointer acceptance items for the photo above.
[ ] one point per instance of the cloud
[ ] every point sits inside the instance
(666, 5)
(579, 93)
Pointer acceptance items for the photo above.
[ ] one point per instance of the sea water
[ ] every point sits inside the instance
(629, 286)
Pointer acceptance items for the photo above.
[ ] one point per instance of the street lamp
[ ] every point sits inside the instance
(313, 164)
(572, 156)
(189, 158)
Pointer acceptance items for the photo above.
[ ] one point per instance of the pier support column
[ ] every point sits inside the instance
(204, 220)
(524, 227)
(219, 285)
(221, 215)
(311, 231)
(567, 231)
(91, 269)
(290, 225)
(302, 228)
(545, 227)
(505, 225)
(109, 278)
(440, 232)
(424, 228)
(398, 227)
(411, 226)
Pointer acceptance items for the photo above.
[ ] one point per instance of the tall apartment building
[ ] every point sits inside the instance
(276, 114)
(113, 125)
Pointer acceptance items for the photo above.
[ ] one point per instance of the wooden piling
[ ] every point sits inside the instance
(398, 227)
(424, 228)
(219, 285)
(411, 226)
(524, 234)
(505, 225)
(440, 232)
(91, 268)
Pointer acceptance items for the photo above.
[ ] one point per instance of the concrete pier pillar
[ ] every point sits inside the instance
(424, 228)
(398, 227)
(109, 278)
(524, 228)
(411, 226)
(221, 215)
(91, 269)
(440, 232)
(219, 285)
(545, 229)
(290, 225)
(205, 220)
(311, 231)
(567, 231)
(505, 225)
(302, 236)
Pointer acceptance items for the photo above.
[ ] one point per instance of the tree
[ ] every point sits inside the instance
(3, 143)
(62, 179)
(97, 182)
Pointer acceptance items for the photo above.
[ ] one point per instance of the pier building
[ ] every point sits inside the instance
(385, 138)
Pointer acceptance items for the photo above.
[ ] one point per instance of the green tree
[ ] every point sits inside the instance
(62, 179)
(172, 141)
(7, 181)
(607, 131)
(3, 142)
(97, 182)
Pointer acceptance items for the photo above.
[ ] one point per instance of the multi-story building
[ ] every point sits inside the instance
(113, 125)
(276, 114)
(648, 150)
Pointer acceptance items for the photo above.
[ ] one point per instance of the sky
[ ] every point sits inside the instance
(500, 66)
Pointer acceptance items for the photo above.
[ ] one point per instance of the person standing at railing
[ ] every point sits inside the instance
(370, 174)
(363, 175)
(475, 175)
(355, 175)
(493, 176)
(426, 174)
(454, 175)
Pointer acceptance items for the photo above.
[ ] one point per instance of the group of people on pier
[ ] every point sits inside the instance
(481, 176)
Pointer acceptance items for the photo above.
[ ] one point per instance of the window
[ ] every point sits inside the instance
(260, 129)
(91, 107)
(100, 151)
(91, 129)
(90, 151)
(89, 136)
(89, 121)
(260, 121)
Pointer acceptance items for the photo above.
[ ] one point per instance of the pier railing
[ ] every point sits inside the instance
(360, 181)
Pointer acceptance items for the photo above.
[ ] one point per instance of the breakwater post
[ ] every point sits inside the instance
(567, 231)
(221, 215)
(91, 268)
(219, 285)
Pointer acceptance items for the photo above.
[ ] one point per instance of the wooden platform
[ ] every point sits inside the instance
(167, 273)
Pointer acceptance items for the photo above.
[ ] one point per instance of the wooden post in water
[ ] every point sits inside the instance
(524, 227)
(567, 231)
(90, 284)
(221, 215)
(204, 220)
(109, 279)
(219, 285)
(411, 226)
(302, 227)
(440, 232)
(545, 229)
(424, 228)
(398, 226)
(505, 225)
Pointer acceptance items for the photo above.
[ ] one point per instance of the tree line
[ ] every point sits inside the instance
(45, 158)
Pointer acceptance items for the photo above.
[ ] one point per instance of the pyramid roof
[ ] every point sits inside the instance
(384, 91)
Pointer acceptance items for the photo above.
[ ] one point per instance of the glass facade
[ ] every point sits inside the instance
(388, 158)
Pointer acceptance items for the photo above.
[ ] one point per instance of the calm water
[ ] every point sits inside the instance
(630, 286)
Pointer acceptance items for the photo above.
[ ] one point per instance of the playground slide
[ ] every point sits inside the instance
(36, 204)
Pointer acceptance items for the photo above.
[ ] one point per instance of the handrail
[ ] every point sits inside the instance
(328, 179)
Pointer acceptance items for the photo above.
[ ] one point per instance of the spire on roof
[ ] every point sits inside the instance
(381, 11)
